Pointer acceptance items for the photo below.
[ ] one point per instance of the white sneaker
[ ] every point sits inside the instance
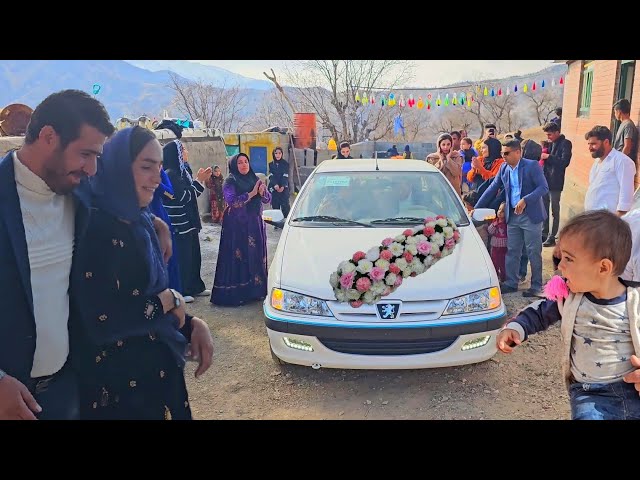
(188, 299)
(204, 293)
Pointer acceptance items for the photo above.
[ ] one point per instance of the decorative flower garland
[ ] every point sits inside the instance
(367, 277)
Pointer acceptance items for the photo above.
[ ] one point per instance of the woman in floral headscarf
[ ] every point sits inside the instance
(216, 197)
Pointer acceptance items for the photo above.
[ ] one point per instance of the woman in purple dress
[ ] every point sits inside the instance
(241, 269)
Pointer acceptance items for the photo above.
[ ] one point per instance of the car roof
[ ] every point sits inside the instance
(369, 165)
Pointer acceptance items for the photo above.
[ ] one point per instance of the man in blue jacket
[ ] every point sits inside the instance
(524, 185)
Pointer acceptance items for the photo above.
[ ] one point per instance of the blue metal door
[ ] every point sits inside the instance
(258, 157)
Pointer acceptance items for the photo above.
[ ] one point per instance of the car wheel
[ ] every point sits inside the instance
(276, 358)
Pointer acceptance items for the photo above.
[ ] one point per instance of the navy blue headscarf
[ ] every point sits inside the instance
(114, 192)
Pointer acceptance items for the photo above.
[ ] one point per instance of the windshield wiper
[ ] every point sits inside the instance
(329, 218)
(403, 220)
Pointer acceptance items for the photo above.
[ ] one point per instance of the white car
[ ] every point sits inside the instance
(448, 315)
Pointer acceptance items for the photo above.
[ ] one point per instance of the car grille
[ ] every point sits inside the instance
(410, 311)
(387, 347)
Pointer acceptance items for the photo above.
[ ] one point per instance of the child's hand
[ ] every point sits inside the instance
(507, 339)
(634, 377)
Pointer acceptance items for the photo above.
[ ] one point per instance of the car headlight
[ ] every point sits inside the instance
(286, 301)
(474, 302)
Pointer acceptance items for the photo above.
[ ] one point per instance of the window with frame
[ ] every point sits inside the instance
(586, 87)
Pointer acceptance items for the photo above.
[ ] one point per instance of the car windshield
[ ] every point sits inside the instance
(366, 199)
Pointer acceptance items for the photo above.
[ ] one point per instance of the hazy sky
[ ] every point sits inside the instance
(428, 73)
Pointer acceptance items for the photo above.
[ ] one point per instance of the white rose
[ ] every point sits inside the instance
(369, 297)
(378, 287)
(412, 249)
(446, 252)
(438, 239)
(410, 240)
(390, 279)
(334, 279)
(383, 264)
(442, 222)
(347, 267)
(448, 232)
(418, 267)
(401, 263)
(396, 249)
(434, 247)
(373, 254)
(364, 266)
(353, 294)
(400, 238)
(420, 238)
(428, 261)
(341, 295)
(430, 224)
(407, 272)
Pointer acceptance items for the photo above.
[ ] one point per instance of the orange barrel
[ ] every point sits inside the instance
(304, 127)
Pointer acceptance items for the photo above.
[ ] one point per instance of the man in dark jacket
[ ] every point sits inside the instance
(555, 164)
(279, 182)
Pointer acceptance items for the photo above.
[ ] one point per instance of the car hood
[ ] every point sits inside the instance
(310, 255)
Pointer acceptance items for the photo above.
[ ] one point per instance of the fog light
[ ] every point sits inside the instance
(297, 344)
(476, 343)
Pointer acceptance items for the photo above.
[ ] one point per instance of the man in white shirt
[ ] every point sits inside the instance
(611, 179)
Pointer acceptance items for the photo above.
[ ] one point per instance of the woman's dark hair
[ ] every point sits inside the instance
(66, 112)
(140, 136)
(344, 145)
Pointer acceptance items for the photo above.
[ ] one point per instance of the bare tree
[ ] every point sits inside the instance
(329, 87)
(544, 101)
(454, 118)
(274, 110)
(417, 124)
(217, 107)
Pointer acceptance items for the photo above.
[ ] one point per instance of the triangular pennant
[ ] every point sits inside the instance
(420, 103)
(515, 88)
(358, 97)
(553, 82)
(499, 92)
(486, 92)
(561, 81)
(525, 89)
(533, 87)
(493, 92)
(365, 100)
(542, 84)
(401, 102)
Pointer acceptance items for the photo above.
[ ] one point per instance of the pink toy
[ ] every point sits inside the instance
(556, 288)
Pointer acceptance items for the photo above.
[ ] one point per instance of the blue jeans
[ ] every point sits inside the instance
(604, 401)
(522, 233)
(524, 262)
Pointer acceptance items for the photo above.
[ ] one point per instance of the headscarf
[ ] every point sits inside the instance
(495, 152)
(114, 192)
(243, 183)
(173, 160)
(217, 181)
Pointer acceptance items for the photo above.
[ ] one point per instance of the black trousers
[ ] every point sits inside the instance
(57, 394)
(553, 198)
(190, 259)
(280, 200)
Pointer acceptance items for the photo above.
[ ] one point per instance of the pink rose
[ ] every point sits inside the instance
(408, 232)
(393, 268)
(387, 241)
(408, 257)
(358, 256)
(356, 303)
(438, 217)
(346, 280)
(386, 255)
(423, 248)
(429, 219)
(387, 291)
(456, 235)
(376, 273)
(428, 231)
(363, 284)
(450, 243)
(398, 281)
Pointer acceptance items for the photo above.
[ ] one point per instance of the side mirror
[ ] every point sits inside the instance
(482, 215)
(273, 217)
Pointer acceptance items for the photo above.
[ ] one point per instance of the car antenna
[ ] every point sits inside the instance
(375, 156)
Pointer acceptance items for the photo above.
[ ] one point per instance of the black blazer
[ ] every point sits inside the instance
(17, 322)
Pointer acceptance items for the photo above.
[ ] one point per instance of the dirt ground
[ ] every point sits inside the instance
(245, 383)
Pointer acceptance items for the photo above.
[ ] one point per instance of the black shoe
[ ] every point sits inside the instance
(533, 293)
(507, 289)
(549, 242)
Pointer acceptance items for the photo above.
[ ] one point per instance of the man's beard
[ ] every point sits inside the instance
(598, 153)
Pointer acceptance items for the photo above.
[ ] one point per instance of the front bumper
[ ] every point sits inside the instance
(431, 344)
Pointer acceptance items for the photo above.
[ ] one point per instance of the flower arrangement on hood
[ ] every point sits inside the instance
(368, 276)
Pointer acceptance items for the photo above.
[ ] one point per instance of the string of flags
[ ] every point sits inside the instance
(457, 98)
